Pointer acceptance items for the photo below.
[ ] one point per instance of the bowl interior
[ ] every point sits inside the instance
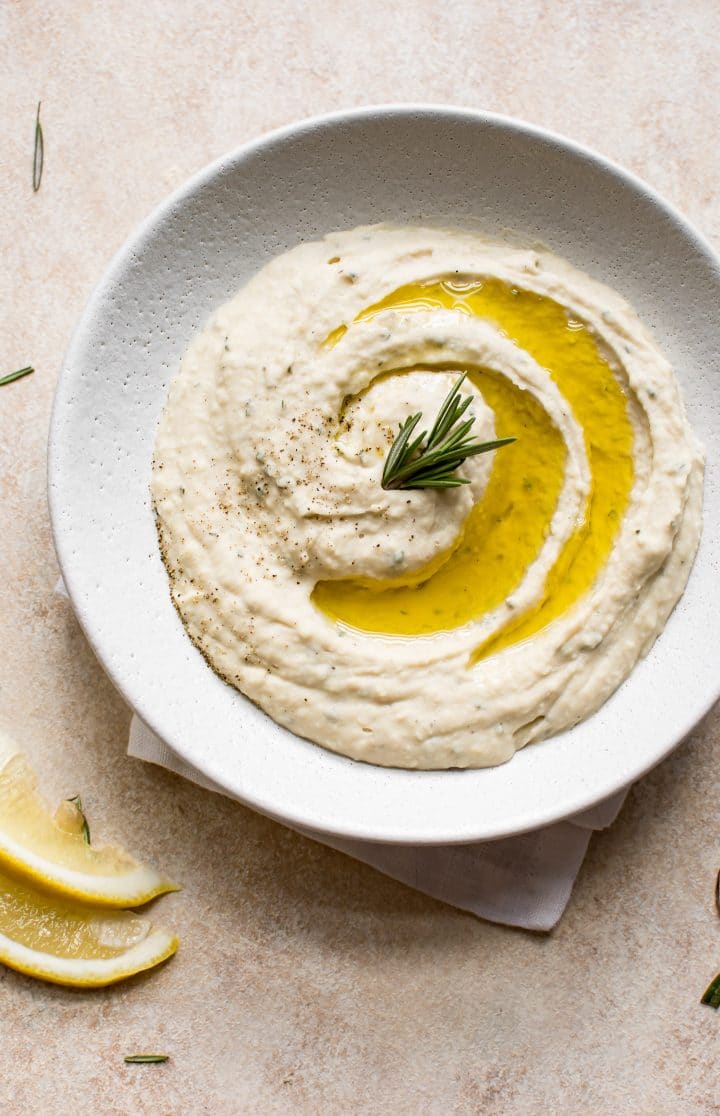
(422, 164)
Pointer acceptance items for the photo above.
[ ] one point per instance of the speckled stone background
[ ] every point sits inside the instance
(307, 983)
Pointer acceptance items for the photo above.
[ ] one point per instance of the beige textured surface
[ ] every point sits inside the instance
(307, 983)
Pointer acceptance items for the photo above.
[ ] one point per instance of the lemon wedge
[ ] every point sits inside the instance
(53, 852)
(72, 944)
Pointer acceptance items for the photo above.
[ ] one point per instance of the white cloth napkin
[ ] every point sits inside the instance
(521, 881)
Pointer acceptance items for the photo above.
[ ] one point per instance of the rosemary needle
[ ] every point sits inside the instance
(85, 828)
(39, 153)
(139, 1059)
(711, 995)
(16, 375)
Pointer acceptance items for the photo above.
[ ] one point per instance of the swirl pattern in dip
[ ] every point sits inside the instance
(425, 628)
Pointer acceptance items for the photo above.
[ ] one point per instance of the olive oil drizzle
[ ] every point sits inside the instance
(505, 531)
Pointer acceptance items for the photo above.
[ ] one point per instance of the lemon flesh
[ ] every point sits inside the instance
(51, 853)
(69, 943)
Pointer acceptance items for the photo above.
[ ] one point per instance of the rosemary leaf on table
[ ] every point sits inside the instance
(139, 1059)
(39, 152)
(11, 376)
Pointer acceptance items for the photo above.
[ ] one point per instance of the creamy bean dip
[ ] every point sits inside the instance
(425, 628)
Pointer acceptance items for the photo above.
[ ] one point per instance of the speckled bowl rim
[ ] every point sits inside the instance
(576, 797)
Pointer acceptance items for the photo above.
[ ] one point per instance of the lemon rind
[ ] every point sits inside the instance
(127, 889)
(75, 972)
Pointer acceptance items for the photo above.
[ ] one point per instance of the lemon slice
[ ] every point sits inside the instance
(69, 943)
(52, 851)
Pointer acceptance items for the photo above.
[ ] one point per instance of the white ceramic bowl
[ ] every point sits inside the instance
(404, 164)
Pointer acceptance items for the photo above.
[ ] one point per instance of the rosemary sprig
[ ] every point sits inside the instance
(85, 828)
(139, 1059)
(16, 375)
(39, 153)
(418, 463)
